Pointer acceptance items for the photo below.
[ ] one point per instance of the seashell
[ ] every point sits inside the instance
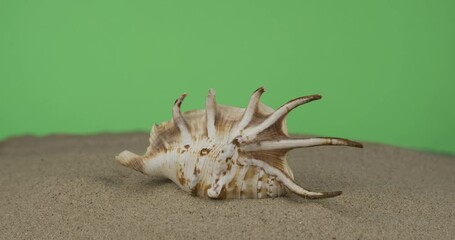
(226, 152)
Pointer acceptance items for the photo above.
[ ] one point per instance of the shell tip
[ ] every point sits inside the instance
(354, 144)
(260, 89)
(125, 157)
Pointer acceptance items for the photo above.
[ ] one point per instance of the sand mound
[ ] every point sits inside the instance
(61, 187)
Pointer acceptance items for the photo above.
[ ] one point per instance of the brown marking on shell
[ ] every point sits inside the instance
(195, 189)
(249, 183)
(270, 186)
(232, 184)
(204, 151)
(223, 193)
(233, 187)
(260, 114)
(181, 177)
(236, 142)
(229, 165)
(136, 164)
(262, 189)
(275, 131)
(226, 117)
(196, 122)
(196, 171)
(162, 136)
(250, 174)
(200, 189)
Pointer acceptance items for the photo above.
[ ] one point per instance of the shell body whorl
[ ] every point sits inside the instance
(228, 152)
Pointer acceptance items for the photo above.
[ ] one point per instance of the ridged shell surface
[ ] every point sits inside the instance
(227, 152)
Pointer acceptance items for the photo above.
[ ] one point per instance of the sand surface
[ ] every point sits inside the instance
(69, 187)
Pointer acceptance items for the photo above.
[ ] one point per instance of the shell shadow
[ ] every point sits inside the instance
(156, 181)
(332, 204)
(126, 181)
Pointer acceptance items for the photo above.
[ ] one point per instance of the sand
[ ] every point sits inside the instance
(61, 187)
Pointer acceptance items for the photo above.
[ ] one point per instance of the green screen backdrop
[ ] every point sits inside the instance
(385, 68)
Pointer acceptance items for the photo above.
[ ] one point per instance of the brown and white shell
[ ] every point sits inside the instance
(228, 152)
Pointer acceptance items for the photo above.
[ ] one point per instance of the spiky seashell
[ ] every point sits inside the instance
(228, 152)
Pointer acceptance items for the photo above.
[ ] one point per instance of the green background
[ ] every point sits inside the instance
(385, 68)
